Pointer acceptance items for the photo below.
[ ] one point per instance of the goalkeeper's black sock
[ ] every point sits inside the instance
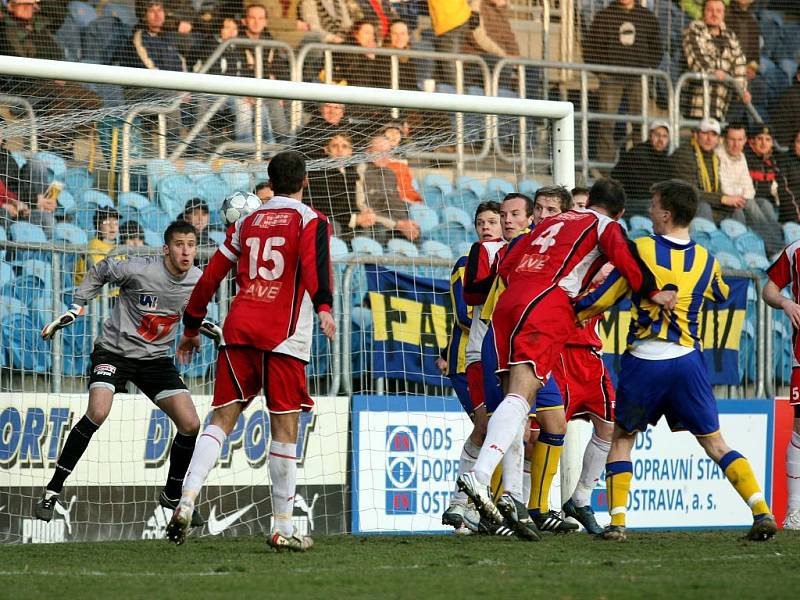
(74, 447)
(179, 456)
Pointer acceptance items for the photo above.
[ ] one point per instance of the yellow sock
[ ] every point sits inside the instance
(618, 482)
(544, 464)
(738, 471)
(497, 483)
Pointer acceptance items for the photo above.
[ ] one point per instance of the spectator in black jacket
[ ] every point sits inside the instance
(789, 165)
(643, 165)
(785, 116)
(624, 34)
(741, 20)
(314, 135)
(768, 179)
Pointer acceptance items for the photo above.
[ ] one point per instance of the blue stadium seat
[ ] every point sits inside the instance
(3, 238)
(129, 213)
(635, 234)
(27, 232)
(462, 248)
(754, 260)
(132, 199)
(77, 180)
(9, 305)
(339, 248)
(402, 248)
(173, 192)
(77, 344)
(19, 158)
(26, 348)
(719, 242)
(437, 180)
(95, 198)
(701, 224)
(258, 173)
(195, 169)
(70, 234)
(453, 234)
(153, 218)
(318, 366)
(466, 200)
(436, 249)
(6, 273)
(435, 190)
(529, 187)
(426, 218)
(639, 222)
(236, 177)
(364, 245)
(216, 236)
(56, 166)
(476, 186)
(728, 260)
(791, 232)
(497, 188)
(453, 214)
(151, 238)
(157, 169)
(213, 189)
(66, 204)
(750, 243)
(733, 228)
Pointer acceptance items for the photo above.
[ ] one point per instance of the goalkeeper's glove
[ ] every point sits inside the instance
(73, 312)
(213, 331)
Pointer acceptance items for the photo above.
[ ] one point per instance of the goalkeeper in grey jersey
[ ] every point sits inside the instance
(135, 346)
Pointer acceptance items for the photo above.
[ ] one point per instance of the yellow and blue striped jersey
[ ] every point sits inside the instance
(498, 286)
(462, 319)
(690, 268)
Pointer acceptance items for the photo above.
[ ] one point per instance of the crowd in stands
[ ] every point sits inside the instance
(730, 156)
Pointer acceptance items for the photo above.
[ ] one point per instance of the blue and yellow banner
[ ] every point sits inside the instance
(721, 325)
(412, 321)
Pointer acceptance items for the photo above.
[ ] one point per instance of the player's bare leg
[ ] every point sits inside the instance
(579, 505)
(792, 520)
(180, 409)
(504, 426)
(101, 397)
(619, 472)
(738, 471)
(205, 455)
(544, 464)
(283, 478)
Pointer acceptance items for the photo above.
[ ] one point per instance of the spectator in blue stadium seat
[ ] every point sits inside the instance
(321, 127)
(151, 46)
(786, 116)
(710, 47)
(624, 34)
(106, 224)
(645, 164)
(365, 70)
(768, 179)
(789, 164)
(380, 13)
(334, 190)
(196, 213)
(382, 195)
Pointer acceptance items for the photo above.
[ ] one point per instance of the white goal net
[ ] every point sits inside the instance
(103, 163)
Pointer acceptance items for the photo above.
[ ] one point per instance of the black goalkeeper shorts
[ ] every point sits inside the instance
(157, 378)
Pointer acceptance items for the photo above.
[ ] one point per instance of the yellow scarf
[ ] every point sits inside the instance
(705, 179)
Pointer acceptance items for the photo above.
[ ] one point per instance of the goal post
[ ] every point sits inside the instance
(112, 493)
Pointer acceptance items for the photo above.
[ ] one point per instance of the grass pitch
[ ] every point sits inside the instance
(650, 565)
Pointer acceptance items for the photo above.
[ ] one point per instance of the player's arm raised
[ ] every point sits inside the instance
(109, 270)
(779, 274)
(625, 257)
(193, 316)
(316, 271)
(606, 295)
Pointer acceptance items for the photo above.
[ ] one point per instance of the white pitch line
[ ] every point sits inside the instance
(110, 574)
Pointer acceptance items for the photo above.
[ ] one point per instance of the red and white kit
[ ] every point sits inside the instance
(478, 278)
(544, 272)
(282, 256)
(784, 271)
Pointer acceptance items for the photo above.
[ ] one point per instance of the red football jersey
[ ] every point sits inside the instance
(568, 250)
(785, 271)
(281, 252)
(588, 334)
(480, 271)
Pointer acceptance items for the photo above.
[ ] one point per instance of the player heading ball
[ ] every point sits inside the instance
(281, 253)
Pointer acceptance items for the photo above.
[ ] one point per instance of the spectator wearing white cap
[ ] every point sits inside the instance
(698, 164)
(643, 165)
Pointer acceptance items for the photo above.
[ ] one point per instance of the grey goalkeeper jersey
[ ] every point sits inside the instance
(145, 319)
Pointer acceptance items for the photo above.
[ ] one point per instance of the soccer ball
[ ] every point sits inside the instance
(238, 205)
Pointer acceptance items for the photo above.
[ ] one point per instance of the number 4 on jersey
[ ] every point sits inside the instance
(547, 238)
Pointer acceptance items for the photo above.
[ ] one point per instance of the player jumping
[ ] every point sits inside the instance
(534, 318)
(663, 372)
(135, 346)
(281, 252)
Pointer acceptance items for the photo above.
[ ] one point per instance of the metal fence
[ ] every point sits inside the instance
(342, 366)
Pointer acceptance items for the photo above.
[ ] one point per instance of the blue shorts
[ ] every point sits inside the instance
(459, 381)
(676, 388)
(549, 396)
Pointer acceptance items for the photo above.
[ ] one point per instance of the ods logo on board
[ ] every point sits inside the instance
(401, 469)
